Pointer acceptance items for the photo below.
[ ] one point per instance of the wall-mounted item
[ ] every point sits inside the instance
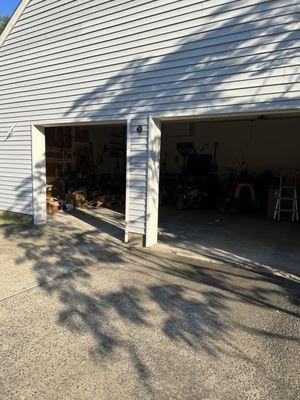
(185, 149)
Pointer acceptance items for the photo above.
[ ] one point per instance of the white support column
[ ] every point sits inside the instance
(154, 141)
(136, 185)
(127, 197)
(39, 175)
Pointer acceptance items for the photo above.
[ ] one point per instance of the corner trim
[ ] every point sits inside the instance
(14, 19)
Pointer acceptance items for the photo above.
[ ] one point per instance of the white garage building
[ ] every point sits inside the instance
(159, 67)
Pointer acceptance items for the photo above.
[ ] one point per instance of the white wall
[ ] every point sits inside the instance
(263, 144)
(127, 59)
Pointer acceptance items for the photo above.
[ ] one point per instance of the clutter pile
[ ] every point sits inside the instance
(53, 204)
(85, 167)
(199, 185)
(89, 195)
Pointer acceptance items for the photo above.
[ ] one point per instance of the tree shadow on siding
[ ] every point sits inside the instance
(239, 64)
(194, 301)
(232, 59)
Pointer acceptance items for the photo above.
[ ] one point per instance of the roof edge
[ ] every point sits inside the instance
(16, 15)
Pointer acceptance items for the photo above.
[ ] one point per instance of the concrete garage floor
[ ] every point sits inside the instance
(238, 239)
(82, 316)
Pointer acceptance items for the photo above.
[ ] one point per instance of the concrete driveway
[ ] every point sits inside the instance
(240, 239)
(84, 317)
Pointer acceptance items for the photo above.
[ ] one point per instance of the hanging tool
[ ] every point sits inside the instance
(10, 132)
(215, 165)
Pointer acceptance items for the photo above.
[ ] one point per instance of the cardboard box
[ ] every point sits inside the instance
(49, 190)
(78, 198)
(52, 205)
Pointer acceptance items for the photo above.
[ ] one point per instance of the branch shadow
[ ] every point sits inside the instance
(194, 301)
(203, 67)
(182, 301)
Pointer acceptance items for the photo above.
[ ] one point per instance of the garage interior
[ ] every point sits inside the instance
(219, 186)
(86, 173)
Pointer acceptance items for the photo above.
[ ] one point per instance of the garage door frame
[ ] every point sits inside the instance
(154, 151)
(38, 146)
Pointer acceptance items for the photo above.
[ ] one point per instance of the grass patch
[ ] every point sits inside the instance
(14, 218)
(9, 220)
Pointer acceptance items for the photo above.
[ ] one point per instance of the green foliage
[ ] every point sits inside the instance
(3, 22)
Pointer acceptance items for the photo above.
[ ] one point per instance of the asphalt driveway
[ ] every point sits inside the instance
(83, 317)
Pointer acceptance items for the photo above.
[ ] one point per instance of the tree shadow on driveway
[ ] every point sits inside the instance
(131, 299)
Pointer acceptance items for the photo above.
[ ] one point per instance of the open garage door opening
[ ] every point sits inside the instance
(86, 175)
(219, 185)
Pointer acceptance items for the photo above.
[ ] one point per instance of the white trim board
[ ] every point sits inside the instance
(14, 19)
(79, 122)
(38, 175)
(192, 116)
(38, 155)
(152, 202)
(127, 196)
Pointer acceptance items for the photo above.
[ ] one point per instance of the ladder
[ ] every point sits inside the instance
(287, 201)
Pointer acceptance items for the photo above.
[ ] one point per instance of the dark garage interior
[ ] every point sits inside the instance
(86, 169)
(220, 184)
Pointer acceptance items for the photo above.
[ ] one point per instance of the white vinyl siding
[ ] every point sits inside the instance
(137, 181)
(128, 59)
(15, 169)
